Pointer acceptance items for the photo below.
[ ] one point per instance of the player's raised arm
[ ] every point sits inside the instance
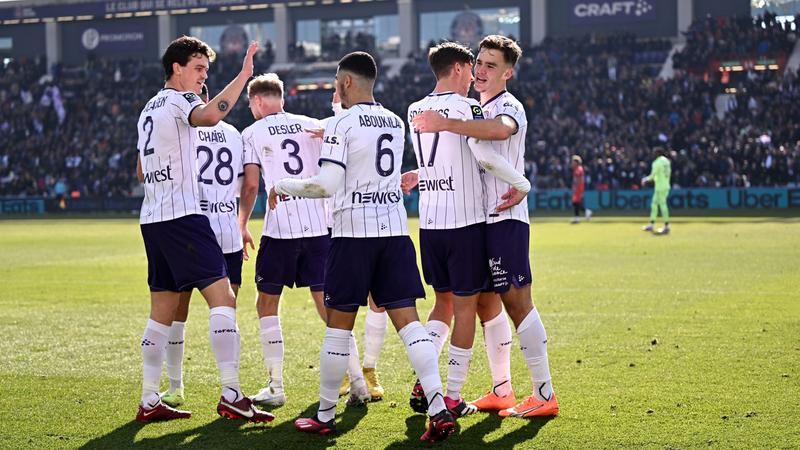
(219, 107)
(500, 128)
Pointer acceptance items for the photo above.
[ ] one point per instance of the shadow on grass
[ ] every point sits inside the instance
(223, 433)
(473, 436)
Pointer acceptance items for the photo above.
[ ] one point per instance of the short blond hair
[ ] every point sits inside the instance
(577, 159)
(265, 84)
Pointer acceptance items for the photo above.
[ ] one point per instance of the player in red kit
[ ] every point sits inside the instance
(578, 186)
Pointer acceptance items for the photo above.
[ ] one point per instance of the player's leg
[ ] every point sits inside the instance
(318, 298)
(662, 204)
(164, 300)
(175, 348)
(276, 264)
(469, 275)
(203, 267)
(374, 335)
(333, 361)
(348, 270)
(653, 213)
(460, 353)
(433, 253)
(497, 342)
(395, 286)
(508, 244)
(576, 210)
(425, 361)
(233, 262)
(154, 342)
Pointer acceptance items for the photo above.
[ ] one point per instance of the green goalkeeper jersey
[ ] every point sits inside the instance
(660, 171)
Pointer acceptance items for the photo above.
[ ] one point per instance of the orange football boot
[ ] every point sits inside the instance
(533, 407)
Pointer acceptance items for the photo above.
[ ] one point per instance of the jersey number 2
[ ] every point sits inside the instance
(147, 149)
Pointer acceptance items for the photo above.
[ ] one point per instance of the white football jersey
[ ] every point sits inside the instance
(220, 161)
(450, 179)
(367, 140)
(168, 160)
(281, 146)
(513, 150)
(329, 200)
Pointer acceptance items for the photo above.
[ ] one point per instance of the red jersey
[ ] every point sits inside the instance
(578, 184)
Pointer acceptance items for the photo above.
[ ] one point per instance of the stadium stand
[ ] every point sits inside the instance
(70, 132)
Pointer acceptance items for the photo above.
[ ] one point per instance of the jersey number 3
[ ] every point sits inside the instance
(294, 155)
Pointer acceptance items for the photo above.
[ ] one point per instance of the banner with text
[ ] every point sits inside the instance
(698, 199)
(612, 12)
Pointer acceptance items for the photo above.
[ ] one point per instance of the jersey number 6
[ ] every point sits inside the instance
(382, 151)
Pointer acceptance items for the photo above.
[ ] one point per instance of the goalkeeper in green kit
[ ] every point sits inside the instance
(659, 174)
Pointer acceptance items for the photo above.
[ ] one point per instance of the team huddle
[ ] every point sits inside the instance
(336, 223)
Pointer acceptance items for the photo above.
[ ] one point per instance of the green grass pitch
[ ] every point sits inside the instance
(685, 341)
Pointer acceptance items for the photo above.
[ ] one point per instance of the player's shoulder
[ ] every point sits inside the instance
(388, 112)
(181, 98)
(468, 106)
(303, 119)
(343, 120)
(251, 129)
(228, 128)
(507, 100)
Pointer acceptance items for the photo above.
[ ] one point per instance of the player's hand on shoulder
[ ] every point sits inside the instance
(247, 65)
(409, 181)
(429, 122)
(316, 132)
(511, 198)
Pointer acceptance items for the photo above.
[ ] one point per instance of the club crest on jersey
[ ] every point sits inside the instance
(191, 97)
(333, 139)
(477, 112)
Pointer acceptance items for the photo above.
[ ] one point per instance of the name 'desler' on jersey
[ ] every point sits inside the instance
(293, 128)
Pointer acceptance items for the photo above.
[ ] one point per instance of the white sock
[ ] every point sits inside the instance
(175, 355)
(533, 341)
(224, 337)
(497, 337)
(272, 348)
(154, 343)
(425, 361)
(438, 332)
(374, 334)
(354, 364)
(333, 361)
(457, 369)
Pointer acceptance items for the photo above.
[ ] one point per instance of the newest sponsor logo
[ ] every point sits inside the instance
(380, 198)
(158, 175)
(441, 184)
(218, 207)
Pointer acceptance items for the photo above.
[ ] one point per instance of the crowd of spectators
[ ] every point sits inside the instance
(733, 38)
(71, 130)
